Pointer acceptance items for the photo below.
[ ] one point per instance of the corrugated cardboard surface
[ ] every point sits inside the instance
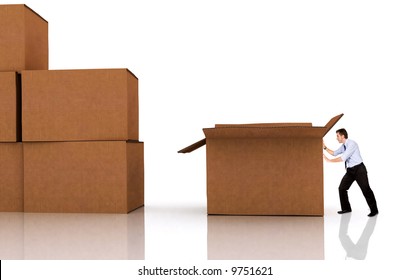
(83, 177)
(11, 179)
(24, 39)
(9, 107)
(133, 106)
(80, 105)
(264, 132)
(135, 160)
(265, 238)
(265, 176)
(263, 125)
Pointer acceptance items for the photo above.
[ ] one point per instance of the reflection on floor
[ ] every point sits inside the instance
(180, 233)
(72, 236)
(265, 237)
(11, 236)
(359, 249)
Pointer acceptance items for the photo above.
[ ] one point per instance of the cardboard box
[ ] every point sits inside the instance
(265, 169)
(80, 105)
(265, 238)
(10, 104)
(24, 39)
(11, 177)
(83, 177)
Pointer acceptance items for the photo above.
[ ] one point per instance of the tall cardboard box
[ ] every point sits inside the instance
(10, 104)
(80, 105)
(11, 177)
(23, 39)
(83, 177)
(265, 169)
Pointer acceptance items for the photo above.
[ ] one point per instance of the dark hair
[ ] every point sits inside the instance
(342, 131)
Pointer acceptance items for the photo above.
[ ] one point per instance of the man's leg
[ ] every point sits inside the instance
(343, 188)
(363, 183)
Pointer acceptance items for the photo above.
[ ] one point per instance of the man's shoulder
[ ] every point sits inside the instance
(352, 142)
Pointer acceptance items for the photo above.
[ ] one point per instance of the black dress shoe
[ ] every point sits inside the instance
(344, 211)
(373, 214)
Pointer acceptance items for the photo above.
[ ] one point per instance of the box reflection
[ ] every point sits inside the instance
(265, 237)
(72, 236)
(84, 236)
(11, 236)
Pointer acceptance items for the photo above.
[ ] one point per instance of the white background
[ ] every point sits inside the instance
(206, 62)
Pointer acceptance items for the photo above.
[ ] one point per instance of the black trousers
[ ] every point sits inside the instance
(359, 174)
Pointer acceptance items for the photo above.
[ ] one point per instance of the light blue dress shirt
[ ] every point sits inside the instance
(350, 153)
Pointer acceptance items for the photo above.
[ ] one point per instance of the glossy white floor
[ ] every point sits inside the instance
(185, 232)
(184, 235)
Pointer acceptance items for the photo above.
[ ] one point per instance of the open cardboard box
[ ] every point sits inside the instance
(265, 169)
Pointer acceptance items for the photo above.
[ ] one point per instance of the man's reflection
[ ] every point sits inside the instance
(357, 250)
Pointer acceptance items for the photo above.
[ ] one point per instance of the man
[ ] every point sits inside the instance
(355, 171)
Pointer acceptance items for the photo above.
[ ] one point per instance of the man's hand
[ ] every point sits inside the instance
(329, 151)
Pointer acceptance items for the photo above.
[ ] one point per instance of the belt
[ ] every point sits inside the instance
(356, 166)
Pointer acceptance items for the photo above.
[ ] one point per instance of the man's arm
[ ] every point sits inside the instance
(331, 152)
(338, 159)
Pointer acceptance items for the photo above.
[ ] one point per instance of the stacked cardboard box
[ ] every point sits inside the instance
(24, 39)
(11, 177)
(24, 45)
(79, 132)
(265, 169)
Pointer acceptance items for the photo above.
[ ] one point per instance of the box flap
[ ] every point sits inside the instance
(193, 147)
(263, 125)
(331, 123)
(264, 132)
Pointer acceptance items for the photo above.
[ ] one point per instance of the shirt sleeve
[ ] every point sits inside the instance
(349, 151)
(339, 150)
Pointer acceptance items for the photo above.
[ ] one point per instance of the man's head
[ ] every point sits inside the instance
(342, 135)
